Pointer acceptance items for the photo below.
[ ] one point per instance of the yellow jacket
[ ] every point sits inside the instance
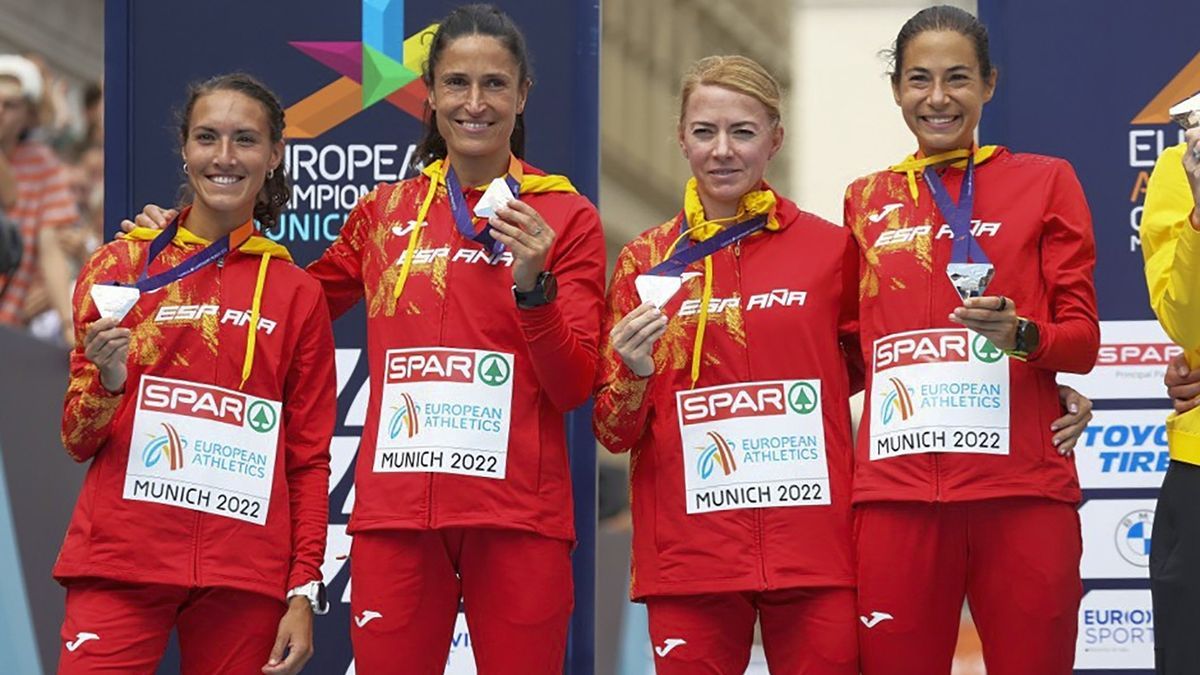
(1172, 250)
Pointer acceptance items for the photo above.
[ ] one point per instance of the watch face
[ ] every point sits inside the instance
(549, 286)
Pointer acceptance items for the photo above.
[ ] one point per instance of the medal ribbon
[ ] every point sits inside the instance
(958, 216)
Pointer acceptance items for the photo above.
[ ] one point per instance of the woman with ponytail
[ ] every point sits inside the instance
(976, 291)
(202, 391)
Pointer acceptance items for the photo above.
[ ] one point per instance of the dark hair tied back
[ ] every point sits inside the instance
(479, 19)
(941, 18)
(276, 190)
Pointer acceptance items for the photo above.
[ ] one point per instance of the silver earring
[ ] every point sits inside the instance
(185, 166)
(270, 174)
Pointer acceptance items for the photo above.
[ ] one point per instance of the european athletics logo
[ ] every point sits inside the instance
(169, 445)
(897, 401)
(383, 65)
(717, 453)
(404, 419)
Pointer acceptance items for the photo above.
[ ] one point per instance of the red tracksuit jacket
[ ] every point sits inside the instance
(196, 330)
(453, 298)
(783, 308)
(1032, 220)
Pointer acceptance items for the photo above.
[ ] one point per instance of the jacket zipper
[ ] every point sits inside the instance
(216, 368)
(758, 513)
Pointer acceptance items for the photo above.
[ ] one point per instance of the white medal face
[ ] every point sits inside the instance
(498, 194)
(114, 301)
(970, 279)
(1186, 113)
(658, 290)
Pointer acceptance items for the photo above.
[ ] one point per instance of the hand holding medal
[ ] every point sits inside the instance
(994, 317)
(521, 228)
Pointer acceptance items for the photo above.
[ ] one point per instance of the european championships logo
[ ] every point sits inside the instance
(404, 419)
(717, 453)
(383, 65)
(169, 445)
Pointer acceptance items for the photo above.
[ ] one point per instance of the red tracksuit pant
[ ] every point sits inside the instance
(805, 631)
(1015, 560)
(122, 629)
(516, 587)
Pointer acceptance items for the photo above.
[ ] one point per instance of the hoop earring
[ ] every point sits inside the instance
(185, 167)
(270, 174)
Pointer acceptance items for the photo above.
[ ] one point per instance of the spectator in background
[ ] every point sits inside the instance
(36, 195)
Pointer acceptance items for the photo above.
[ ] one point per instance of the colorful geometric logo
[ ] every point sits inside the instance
(718, 453)
(383, 65)
(1185, 83)
(897, 401)
(169, 446)
(405, 419)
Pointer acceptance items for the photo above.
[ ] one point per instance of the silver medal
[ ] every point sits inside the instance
(970, 279)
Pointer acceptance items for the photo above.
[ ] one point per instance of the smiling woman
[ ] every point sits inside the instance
(964, 462)
(227, 375)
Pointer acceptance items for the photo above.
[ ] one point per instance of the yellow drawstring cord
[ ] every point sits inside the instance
(415, 236)
(705, 299)
(912, 165)
(252, 334)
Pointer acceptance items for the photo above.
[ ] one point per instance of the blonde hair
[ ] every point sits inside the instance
(736, 73)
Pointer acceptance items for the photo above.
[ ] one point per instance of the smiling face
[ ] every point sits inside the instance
(228, 151)
(728, 138)
(477, 92)
(941, 91)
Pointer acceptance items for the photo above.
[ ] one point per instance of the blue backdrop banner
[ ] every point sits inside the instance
(1092, 82)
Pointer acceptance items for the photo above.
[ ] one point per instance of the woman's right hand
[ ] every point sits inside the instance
(634, 336)
(107, 346)
(1183, 384)
(152, 216)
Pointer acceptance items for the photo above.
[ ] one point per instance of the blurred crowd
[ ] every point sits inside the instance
(51, 192)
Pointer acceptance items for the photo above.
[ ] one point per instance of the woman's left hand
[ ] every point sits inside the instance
(520, 227)
(1068, 428)
(992, 316)
(295, 637)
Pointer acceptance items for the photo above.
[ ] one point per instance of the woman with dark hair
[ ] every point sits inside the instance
(481, 334)
(484, 280)
(976, 290)
(206, 409)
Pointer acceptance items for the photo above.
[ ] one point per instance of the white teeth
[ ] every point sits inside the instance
(939, 120)
(225, 180)
(474, 126)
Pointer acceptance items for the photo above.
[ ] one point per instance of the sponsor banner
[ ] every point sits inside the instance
(445, 411)
(754, 445)
(203, 448)
(938, 391)
(1116, 538)
(1132, 361)
(1123, 449)
(1116, 630)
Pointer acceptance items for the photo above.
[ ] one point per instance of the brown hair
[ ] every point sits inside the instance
(736, 73)
(275, 190)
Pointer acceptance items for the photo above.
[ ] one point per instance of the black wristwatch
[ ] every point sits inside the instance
(1028, 337)
(545, 288)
